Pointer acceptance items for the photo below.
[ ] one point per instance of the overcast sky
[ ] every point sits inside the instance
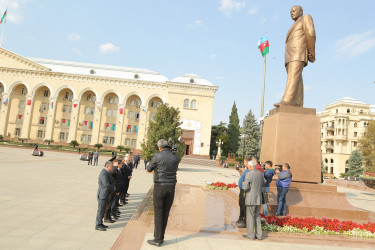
(216, 39)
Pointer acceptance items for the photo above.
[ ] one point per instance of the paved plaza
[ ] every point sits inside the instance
(50, 203)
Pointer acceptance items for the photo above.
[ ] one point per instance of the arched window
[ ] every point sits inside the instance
(331, 160)
(326, 160)
(355, 124)
(348, 111)
(193, 104)
(186, 103)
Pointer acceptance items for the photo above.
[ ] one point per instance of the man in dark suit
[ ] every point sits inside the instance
(165, 165)
(91, 155)
(104, 191)
(299, 49)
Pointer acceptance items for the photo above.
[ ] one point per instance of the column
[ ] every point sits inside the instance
(27, 117)
(97, 120)
(119, 125)
(4, 113)
(51, 119)
(74, 117)
(142, 126)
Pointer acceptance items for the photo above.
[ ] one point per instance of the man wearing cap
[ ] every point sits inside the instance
(165, 165)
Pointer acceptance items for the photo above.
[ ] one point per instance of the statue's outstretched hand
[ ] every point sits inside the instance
(311, 58)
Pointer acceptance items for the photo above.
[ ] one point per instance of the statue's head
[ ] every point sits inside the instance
(296, 12)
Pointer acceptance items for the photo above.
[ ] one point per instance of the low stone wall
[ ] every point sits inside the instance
(359, 185)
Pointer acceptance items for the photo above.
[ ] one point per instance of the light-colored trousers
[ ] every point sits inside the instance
(253, 224)
(294, 86)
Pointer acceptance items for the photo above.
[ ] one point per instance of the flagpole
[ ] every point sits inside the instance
(262, 105)
(2, 34)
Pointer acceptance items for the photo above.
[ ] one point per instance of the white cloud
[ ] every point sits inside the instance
(355, 44)
(213, 56)
(107, 48)
(74, 37)
(77, 51)
(15, 13)
(227, 6)
(198, 22)
(253, 11)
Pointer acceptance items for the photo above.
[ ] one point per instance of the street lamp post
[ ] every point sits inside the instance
(219, 143)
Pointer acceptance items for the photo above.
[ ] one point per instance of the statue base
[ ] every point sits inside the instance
(292, 134)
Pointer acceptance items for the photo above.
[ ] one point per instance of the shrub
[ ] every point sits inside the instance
(98, 145)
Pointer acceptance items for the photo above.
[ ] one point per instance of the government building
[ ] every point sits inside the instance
(342, 125)
(44, 99)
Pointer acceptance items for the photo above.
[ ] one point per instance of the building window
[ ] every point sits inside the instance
(83, 138)
(87, 125)
(348, 111)
(19, 118)
(105, 139)
(152, 117)
(128, 128)
(186, 103)
(331, 160)
(134, 143)
(67, 109)
(40, 134)
(193, 104)
(110, 99)
(89, 111)
(331, 170)
(17, 132)
(21, 105)
(138, 103)
(88, 97)
(127, 141)
(136, 116)
(61, 136)
(153, 104)
(361, 112)
(43, 107)
(23, 91)
(109, 112)
(337, 111)
(116, 100)
(42, 120)
(111, 140)
(89, 138)
(355, 134)
(132, 102)
(45, 93)
(67, 136)
(354, 144)
(355, 125)
(131, 115)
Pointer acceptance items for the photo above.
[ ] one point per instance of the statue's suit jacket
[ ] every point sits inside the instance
(300, 40)
(253, 187)
(106, 186)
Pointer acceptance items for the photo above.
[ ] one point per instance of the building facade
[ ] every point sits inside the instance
(45, 99)
(342, 125)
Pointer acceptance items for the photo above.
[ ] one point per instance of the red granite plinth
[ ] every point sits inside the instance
(317, 200)
(292, 135)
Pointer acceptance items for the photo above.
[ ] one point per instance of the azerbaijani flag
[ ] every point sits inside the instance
(4, 16)
(264, 46)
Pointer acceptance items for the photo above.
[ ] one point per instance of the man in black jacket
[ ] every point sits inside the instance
(164, 164)
(105, 189)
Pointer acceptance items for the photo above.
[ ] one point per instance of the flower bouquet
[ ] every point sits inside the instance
(219, 185)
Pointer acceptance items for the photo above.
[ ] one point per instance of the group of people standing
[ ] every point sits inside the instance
(254, 184)
(94, 156)
(113, 181)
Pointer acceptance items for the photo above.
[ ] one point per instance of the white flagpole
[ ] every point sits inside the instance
(2, 34)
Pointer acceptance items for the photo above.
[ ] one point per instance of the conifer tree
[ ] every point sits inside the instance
(166, 124)
(355, 164)
(251, 130)
(233, 131)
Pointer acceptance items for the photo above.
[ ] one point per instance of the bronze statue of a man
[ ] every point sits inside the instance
(299, 49)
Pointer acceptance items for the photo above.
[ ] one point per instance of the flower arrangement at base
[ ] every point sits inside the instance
(220, 186)
(315, 226)
(368, 179)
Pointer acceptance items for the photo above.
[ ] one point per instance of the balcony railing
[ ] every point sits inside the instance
(329, 146)
(329, 128)
(341, 137)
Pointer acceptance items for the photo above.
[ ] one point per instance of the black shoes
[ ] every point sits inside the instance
(239, 221)
(103, 225)
(242, 225)
(100, 228)
(248, 237)
(152, 242)
(109, 220)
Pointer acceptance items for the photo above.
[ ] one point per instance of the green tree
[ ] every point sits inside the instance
(127, 150)
(98, 145)
(166, 124)
(74, 143)
(120, 147)
(251, 131)
(355, 164)
(219, 132)
(233, 131)
(1, 137)
(49, 141)
(22, 139)
(367, 147)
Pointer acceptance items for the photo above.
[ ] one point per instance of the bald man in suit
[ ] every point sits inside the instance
(299, 49)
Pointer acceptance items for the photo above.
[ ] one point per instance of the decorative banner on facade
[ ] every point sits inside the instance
(51, 105)
(121, 111)
(107, 125)
(6, 101)
(28, 102)
(63, 120)
(85, 122)
(42, 119)
(145, 110)
(100, 108)
(91, 124)
(74, 105)
(19, 117)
